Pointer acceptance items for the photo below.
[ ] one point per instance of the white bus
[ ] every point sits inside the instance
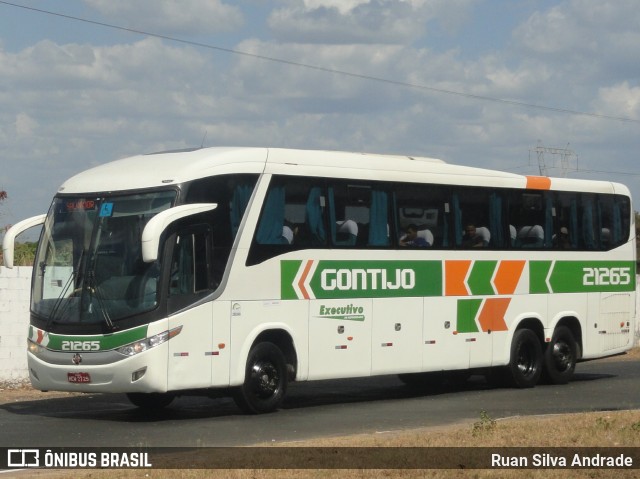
(243, 269)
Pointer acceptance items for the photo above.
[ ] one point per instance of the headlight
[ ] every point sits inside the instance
(34, 348)
(132, 349)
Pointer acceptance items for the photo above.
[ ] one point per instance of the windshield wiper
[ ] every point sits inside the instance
(92, 283)
(53, 315)
(94, 290)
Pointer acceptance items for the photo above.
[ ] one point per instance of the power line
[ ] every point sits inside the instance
(623, 173)
(326, 69)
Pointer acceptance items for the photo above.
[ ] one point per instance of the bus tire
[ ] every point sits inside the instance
(265, 382)
(560, 356)
(525, 365)
(150, 401)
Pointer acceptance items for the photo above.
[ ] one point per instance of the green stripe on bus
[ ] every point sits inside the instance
(327, 279)
(538, 272)
(288, 269)
(106, 341)
(467, 312)
(581, 276)
(480, 277)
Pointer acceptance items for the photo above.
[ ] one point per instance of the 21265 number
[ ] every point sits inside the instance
(606, 276)
(80, 345)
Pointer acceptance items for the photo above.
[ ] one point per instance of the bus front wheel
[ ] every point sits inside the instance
(525, 366)
(265, 382)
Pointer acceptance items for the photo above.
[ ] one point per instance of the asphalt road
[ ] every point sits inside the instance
(323, 408)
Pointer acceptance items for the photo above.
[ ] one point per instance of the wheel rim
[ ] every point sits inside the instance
(265, 379)
(562, 356)
(526, 360)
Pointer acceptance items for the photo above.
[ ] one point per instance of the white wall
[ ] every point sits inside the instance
(14, 323)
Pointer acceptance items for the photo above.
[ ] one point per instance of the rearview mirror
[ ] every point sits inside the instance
(8, 244)
(156, 226)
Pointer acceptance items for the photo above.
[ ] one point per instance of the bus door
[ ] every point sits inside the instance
(191, 351)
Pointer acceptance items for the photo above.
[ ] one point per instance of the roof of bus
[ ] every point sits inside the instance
(175, 167)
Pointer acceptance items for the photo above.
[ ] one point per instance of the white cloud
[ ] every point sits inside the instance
(25, 125)
(363, 21)
(343, 6)
(172, 16)
(67, 106)
(597, 30)
(619, 100)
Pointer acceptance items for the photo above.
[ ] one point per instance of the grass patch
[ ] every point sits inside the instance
(596, 429)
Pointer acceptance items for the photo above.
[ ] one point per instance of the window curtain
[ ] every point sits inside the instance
(616, 234)
(332, 215)
(314, 216)
(574, 233)
(457, 219)
(587, 224)
(378, 221)
(548, 222)
(239, 202)
(495, 220)
(272, 221)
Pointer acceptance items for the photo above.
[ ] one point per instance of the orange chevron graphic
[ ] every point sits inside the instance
(455, 274)
(303, 278)
(491, 316)
(507, 276)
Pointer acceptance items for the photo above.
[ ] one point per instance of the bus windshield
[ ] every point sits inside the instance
(89, 263)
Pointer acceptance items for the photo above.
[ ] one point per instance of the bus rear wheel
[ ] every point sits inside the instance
(265, 382)
(560, 356)
(525, 366)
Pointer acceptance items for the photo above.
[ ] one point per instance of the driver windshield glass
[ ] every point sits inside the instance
(89, 263)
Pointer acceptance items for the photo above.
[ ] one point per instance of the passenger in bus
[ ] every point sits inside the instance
(474, 238)
(561, 240)
(347, 233)
(530, 236)
(289, 232)
(413, 238)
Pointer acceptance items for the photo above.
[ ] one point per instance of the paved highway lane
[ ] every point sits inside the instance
(323, 408)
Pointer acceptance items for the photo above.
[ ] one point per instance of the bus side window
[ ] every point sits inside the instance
(531, 218)
(424, 208)
(293, 214)
(359, 214)
(292, 217)
(478, 217)
(349, 213)
(617, 220)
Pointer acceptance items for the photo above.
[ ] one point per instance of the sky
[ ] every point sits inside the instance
(473, 82)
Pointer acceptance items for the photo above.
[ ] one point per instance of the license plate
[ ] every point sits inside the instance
(78, 377)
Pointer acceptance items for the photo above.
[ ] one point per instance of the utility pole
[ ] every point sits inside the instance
(549, 158)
